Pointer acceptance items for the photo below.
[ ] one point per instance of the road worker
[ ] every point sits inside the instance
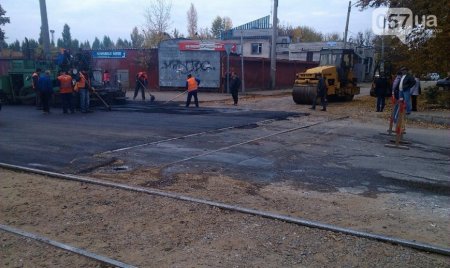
(192, 84)
(35, 85)
(66, 92)
(141, 83)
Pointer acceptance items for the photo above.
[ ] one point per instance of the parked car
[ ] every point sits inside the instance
(444, 83)
(432, 76)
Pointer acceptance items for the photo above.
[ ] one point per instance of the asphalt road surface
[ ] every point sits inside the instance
(324, 155)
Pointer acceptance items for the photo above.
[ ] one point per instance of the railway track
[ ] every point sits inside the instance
(234, 208)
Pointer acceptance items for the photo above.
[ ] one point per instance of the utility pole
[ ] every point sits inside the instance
(346, 24)
(273, 51)
(242, 61)
(44, 29)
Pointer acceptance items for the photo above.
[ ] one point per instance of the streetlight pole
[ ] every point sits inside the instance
(346, 24)
(242, 61)
(44, 29)
(273, 56)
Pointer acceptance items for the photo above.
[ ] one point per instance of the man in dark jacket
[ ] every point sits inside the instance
(406, 83)
(46, 91)
(322, 93)
(381, 86)
(235, 83)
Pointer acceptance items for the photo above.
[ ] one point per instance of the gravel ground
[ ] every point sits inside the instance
(149, 231)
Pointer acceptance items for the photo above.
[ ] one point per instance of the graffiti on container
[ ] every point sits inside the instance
(188, 66)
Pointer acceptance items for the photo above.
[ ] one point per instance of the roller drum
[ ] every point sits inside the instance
(304, 94)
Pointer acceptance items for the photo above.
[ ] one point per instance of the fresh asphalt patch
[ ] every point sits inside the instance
(328, 157)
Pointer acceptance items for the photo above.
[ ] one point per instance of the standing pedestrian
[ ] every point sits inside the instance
(405, 85)
(46, 90)
(192, 84)
(35, 86)
(141, 84)
(66, 92)
(321, 92)
(235, 83)
(416, 90)
(83, 86)
(381, 87)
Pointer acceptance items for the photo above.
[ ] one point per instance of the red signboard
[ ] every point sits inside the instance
(198, 45)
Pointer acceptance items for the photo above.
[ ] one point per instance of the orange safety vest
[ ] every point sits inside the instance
(32, 79)
(65, 83)
(192, 84)
(82, 83)
(106, 77)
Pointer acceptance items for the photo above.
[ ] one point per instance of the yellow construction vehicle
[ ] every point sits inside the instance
(336, 66)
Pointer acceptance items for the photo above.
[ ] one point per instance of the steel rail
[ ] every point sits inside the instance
(183, 137)
(270, 215)
(252, 140)
(66, 247)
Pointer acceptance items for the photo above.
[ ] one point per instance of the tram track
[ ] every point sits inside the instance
(234, 208)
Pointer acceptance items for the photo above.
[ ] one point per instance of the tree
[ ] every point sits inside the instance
(107, 43)
(96, 44)
(66, 37)
(426, 49)
(157, 17)
(137, 39)
(119, 43)
(15, 46)
(28, 47)
(85, 45)
(332, 37)
(59, 43)
(220, 24)
(227, 23)
(176, 33)
(217, 27)
(3, 21)
(75, 45)
(204, 33)
(192, 21)
(308, 34)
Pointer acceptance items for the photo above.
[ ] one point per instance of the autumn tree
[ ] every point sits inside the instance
(334, 36)
(192, 21)
(3, 21)
(309, 34)
(157, 17)
(426, 49)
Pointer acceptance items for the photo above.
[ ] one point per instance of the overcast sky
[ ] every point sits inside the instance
(88, 19)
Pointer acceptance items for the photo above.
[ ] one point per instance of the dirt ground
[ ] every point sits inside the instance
(149, 231)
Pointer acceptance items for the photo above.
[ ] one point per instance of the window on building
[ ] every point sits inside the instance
(309, 56)
(256, 48)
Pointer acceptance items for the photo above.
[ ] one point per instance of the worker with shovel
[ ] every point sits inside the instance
(141, 83)
(192, 84)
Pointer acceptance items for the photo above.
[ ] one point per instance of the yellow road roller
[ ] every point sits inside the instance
(336, 66)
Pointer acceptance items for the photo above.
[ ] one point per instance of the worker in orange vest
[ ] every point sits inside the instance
(83, 85)
(35, 86)
(66, 92)
(192, 84)
(106, 78)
